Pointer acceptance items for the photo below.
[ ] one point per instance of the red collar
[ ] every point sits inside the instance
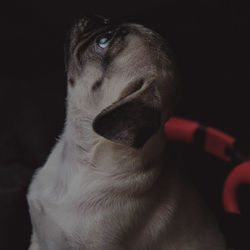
(218, 144)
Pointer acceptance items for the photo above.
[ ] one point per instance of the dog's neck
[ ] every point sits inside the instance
(89, 149)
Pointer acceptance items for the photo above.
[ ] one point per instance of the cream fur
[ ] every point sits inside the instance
(95, 194)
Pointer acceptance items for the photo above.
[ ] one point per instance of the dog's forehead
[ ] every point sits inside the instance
(134, 56)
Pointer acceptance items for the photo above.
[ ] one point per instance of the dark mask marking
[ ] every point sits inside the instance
(97, 85)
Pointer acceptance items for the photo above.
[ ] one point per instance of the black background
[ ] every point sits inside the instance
(211, 41)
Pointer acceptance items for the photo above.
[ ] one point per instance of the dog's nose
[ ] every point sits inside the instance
(92, 22)
(101, 19)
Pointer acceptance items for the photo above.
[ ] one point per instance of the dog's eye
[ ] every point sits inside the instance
(104, 40)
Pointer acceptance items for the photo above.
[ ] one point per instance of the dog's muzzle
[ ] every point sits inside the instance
(90, 24)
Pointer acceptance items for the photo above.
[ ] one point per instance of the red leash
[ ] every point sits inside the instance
(218, 144)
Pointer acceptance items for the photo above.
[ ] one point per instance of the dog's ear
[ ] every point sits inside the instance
(134, 118)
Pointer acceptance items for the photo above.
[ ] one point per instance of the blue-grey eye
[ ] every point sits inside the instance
(104, 40)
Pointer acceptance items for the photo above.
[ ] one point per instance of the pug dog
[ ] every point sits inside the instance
(110, 182)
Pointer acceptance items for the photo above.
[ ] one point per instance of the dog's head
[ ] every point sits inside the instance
(120, 80)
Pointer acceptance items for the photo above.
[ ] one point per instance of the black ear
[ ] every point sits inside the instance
(133, 119)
